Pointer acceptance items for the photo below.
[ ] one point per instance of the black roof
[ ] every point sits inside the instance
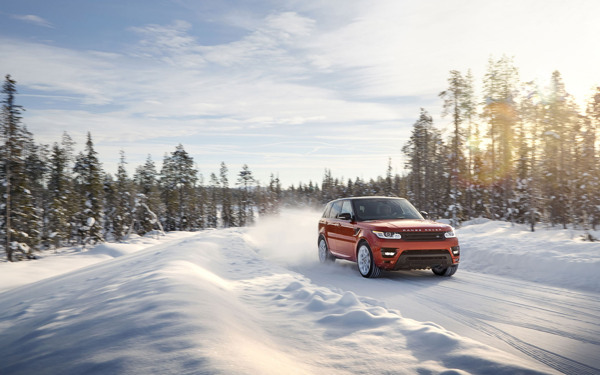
(367, 197)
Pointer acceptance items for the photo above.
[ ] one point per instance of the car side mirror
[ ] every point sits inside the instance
(345, 216)
(425, 214)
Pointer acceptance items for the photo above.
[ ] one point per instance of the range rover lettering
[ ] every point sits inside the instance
(382, 233)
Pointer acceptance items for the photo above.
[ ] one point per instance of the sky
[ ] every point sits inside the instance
(287, 87)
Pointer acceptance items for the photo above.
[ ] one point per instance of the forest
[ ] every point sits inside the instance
(515, 152)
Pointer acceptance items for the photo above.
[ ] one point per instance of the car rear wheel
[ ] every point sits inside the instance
(444, 271)
(324, 254)
(364, 259)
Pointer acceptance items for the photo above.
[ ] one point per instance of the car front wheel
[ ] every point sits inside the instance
(445, 271)
(366, 266)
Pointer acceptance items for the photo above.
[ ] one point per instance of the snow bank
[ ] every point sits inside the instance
(57, 262)
(549, 255)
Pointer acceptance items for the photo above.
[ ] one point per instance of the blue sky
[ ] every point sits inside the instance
(287, 87)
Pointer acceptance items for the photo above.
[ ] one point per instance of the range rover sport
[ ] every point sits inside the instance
(383, 233)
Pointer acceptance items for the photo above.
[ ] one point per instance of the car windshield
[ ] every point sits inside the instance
(384, 209)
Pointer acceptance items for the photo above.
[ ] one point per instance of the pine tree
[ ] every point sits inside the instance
(178, 180)
(36, 170)
(147, 200)
(558, 123)
(388, 188)
(121, 212)
(528, 176)
(454, 98)
(58, 216)
(590, 171)
(500, 109)
(212, 218)
(328, 187)
(425, 155)
(201, 204)
(62, 205)
(20, 228)
(109, 207)
(245, 206)
(275, 195)
(469, 110)
(227, 217)
(89, 179)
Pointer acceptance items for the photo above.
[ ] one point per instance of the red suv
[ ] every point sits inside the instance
(386, 233)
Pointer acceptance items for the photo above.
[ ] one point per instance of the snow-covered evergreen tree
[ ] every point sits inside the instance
(20, 224)
(527, 190)
(147, 200)
(454, 98)
(62, 205)
(213, 196)
(200, 207)
(589, 171)
(426, 161)
(120, 207)
(245, 205)
(227, 216)
(89, 178)
(500, 110)
(557, 140)
(178, 181)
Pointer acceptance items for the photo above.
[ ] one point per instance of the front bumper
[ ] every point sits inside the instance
(423, 259)
(405, 255)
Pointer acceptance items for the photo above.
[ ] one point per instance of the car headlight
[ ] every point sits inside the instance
(450, 234)
(387, 235)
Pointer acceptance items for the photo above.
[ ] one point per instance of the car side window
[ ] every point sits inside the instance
(347, 208)
(326, 211)
(336, 209)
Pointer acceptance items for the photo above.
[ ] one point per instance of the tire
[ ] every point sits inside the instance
(364, 259)
(324, 254)
(444, 271)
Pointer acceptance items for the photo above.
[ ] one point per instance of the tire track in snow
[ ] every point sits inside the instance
(548, 295)
(553, 360)
(567, 313)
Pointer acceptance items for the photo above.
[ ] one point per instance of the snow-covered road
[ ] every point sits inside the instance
(557, 327)
(256, 301)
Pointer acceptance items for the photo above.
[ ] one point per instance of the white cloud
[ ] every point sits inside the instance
(33, 19)
(59, 70)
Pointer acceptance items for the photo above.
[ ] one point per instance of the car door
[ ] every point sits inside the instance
(346, 230)
(333, 228)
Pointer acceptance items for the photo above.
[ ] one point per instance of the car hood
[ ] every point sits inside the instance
(405, 226)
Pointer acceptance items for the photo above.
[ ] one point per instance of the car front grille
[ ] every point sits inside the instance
(423, 236)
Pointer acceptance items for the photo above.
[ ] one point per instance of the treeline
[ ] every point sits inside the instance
(53, 197)
(516, 152)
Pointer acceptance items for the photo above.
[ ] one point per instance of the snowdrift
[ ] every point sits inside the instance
(553, 256)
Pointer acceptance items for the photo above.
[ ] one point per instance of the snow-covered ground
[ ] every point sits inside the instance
(256, 301)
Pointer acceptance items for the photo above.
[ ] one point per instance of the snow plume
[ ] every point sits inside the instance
(289, 238)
